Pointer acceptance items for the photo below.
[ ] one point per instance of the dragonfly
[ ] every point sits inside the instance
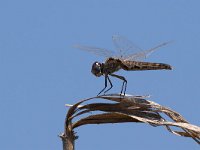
(127, 57)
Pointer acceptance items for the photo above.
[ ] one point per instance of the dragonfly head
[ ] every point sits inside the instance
(97, 69)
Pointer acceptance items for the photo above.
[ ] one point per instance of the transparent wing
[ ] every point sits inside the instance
(124, 46)
(96, 51)
(129, 51)
(144, 54)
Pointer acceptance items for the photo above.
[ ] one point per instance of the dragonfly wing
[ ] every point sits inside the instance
(144, 54)
(124, 46)
(139, 56)
(96, 51)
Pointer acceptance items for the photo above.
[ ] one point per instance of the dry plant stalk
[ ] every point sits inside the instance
(125, 109)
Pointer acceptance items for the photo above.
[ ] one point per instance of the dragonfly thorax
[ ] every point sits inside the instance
(97, 69)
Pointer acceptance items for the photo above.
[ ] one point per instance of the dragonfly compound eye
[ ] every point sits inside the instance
(96, 69)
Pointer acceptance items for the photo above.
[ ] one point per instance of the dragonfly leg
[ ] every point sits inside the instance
(125, 87)
(124, 84)
(106, 77)
(110, 85)
(122, 88)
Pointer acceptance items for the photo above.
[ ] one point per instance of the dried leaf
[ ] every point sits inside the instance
(128, 108)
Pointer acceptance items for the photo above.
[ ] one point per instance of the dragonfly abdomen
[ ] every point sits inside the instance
(134, 65)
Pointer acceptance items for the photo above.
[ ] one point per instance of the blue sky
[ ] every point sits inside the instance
(41, 71)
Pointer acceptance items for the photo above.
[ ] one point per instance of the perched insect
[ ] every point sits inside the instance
(128, 58)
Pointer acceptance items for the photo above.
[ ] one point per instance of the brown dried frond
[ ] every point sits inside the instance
(120, 109)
